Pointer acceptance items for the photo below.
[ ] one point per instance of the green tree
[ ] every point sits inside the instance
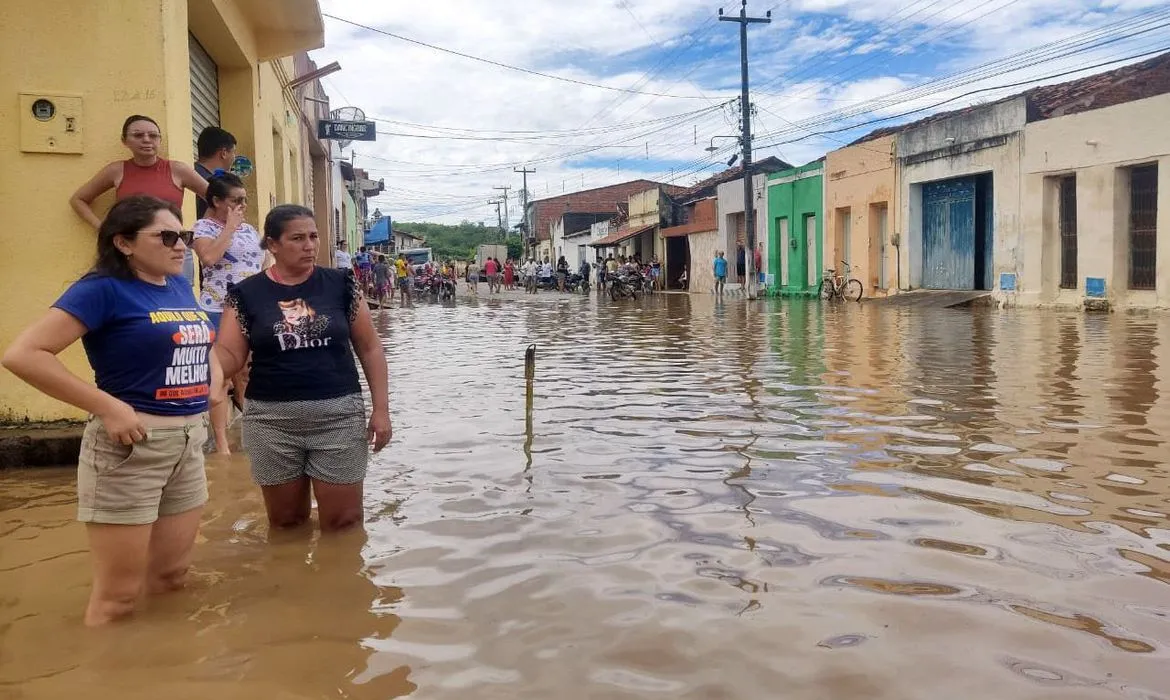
(457, 242)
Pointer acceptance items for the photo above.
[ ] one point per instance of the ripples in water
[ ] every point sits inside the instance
(703, 501)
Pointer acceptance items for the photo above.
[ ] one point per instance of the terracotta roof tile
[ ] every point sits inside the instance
(1133, 82)
(1137, 81)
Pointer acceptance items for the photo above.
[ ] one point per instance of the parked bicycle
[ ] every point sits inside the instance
(834, 286)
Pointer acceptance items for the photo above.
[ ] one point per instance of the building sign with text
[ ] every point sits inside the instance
(346, 130)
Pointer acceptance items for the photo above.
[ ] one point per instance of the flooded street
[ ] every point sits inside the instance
(714, 501)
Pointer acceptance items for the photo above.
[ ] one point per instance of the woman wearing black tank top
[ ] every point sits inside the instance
(305, 427)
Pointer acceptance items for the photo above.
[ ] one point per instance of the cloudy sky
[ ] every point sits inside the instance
(452, 128)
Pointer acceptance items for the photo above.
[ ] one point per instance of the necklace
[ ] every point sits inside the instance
(276, 277)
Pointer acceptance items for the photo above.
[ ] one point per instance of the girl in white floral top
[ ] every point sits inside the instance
(229, 251)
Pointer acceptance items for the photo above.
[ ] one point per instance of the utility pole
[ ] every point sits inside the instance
(524, 202)
(745, 107)
(499, 221)
(507, 219)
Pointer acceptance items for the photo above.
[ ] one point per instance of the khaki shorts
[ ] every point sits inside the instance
(134, 485)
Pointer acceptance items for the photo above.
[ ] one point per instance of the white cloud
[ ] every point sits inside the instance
(831, 50)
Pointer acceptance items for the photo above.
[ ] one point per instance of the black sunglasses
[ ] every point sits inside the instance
(171, 238)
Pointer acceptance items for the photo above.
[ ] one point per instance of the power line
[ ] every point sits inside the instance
(1086, 41)
(842, 76)
(599, 129)
(1026, 59)
(498, 64)
(974, 92)
(883, 27)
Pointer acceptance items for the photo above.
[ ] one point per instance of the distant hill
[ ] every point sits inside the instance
(458, 242)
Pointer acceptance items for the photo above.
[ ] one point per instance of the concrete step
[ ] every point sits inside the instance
(54, 445)
(936, 299)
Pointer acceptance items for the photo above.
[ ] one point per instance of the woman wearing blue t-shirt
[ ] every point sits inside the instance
(140, 480)
(305, 426)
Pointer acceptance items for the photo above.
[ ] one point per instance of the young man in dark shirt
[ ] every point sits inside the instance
(217, 151)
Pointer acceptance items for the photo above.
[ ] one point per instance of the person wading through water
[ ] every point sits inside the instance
(305, 428)
(140, 480)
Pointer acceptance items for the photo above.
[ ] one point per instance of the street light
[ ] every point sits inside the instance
(712, 148)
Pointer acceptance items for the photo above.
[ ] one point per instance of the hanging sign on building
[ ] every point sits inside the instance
(346, 130)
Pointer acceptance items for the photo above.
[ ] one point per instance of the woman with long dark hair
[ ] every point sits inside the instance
(230, 252)
(305, 427)
(140, 480)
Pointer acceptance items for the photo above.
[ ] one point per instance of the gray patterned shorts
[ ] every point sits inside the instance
(323, 439)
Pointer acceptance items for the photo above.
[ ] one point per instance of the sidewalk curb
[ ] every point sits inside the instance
(55, 446)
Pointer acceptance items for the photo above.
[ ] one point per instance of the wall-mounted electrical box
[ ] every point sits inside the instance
(51, 123)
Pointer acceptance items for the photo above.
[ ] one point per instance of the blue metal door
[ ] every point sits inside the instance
(948, 234)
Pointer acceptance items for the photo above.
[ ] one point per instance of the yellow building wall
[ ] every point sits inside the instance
(46, 246)
(857, 179)
(120, 60)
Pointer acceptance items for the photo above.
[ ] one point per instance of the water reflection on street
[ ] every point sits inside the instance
(715, 501)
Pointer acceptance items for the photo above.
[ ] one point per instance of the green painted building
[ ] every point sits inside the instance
(795, 229)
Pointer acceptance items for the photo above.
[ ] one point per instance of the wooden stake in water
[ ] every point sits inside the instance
(529, 376)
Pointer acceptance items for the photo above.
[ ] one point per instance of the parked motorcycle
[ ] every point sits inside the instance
(622, 286)
(576, 283)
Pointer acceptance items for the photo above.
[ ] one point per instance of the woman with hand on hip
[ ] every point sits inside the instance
(140, 480)
(305, 428)
(230, 251)
(146, 172)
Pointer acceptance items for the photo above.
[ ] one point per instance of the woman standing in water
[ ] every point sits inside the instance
(305, 427)
(145, 172)
(230, 252)
(509, 275)
(140, 480)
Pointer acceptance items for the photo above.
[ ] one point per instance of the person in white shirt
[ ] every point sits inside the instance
(528, 273)
(341, 259)
(546, 270)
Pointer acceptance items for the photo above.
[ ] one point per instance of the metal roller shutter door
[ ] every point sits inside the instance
(204, 90)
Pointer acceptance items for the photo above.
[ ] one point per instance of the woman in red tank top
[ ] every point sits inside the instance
(143, 173)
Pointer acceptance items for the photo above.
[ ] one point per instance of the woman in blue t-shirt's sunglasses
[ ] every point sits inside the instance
(140, 480)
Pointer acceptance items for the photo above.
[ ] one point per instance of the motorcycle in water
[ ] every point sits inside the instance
(622, 286)
(576, 283)
(446, 289)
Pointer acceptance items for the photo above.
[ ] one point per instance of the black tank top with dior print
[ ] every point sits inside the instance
(299, 335)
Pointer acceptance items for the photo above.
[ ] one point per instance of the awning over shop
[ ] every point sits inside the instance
(379, 233)
(619, 235)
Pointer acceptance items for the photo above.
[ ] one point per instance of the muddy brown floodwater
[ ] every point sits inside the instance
(714, 502)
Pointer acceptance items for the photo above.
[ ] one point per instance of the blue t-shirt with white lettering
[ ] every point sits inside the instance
(720, 267)
(148, 344)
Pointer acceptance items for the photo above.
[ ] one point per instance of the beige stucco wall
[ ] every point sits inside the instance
(557, 238)
(702, 272)
(957, 147)
(730, 196)
(645, 208)
(859, 179)
(1096, 146)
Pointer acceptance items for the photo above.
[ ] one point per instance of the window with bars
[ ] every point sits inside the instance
(1068, 232)
(1143, 226)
